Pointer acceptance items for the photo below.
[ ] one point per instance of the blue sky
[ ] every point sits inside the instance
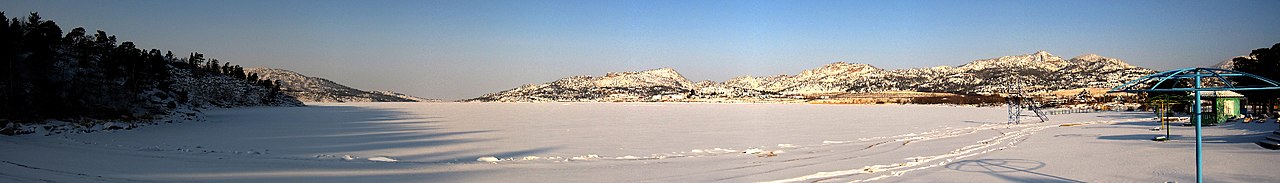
(462, 49)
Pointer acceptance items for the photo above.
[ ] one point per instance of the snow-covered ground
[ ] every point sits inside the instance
(638, 142)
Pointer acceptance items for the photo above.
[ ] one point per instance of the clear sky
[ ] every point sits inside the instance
(462, 49)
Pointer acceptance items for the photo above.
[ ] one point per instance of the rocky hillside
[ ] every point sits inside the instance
(205, 89)
(650, 85)
(1040, 71)
(314, 89)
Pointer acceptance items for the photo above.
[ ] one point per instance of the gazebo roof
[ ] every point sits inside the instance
(1201, 79)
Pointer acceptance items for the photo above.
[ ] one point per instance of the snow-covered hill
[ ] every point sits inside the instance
(650, 85)
(314, 89)
(181, 97)
(1039, 71)
(1230, 63)
(217, 90)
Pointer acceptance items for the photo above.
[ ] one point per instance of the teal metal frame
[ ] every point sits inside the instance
(1198, 74)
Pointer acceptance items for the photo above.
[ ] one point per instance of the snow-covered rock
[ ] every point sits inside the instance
(488, 159)
(383, 159)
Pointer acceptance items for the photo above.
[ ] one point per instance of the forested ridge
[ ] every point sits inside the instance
(89, 75)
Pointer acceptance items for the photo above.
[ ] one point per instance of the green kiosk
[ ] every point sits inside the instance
(1223, 106)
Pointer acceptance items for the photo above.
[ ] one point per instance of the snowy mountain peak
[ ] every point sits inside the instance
(664, 72)
(648, 85)
(664, 69)
(1089, 57)
(1040, 59)
(846, 66)
(647, 78)
(1044, 55)
(838, 68)
(1098, 61)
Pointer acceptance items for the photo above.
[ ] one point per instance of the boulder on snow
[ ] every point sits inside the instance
(383, 159)
(490, 159)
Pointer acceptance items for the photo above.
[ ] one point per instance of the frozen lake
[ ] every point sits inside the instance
(637, 142)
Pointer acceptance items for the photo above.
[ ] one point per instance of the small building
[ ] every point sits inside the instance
(1223, 106)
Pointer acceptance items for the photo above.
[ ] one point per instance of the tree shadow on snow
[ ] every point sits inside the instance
(1125, 115)
(1014, 170)
(313, 139)
(1238, 132)
(334, 131)
(1138, 137)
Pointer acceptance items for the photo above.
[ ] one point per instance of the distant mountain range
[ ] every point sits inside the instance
(314, 89)
(1040, 71)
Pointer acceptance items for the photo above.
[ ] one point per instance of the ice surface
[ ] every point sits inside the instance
(637, 142)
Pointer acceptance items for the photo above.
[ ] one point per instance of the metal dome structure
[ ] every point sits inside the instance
(1196, 80)
(1159, 82)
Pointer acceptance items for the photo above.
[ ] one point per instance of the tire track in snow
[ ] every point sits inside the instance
(906, 139)
(924, 162)
(94, 177)
(942, 133)
(867, 151)
(14, 178)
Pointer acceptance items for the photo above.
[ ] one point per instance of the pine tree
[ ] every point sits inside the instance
(1262, 62)
(226, 68)
(213, 66)
(7, 56)
(195, 60)
(238, 72)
